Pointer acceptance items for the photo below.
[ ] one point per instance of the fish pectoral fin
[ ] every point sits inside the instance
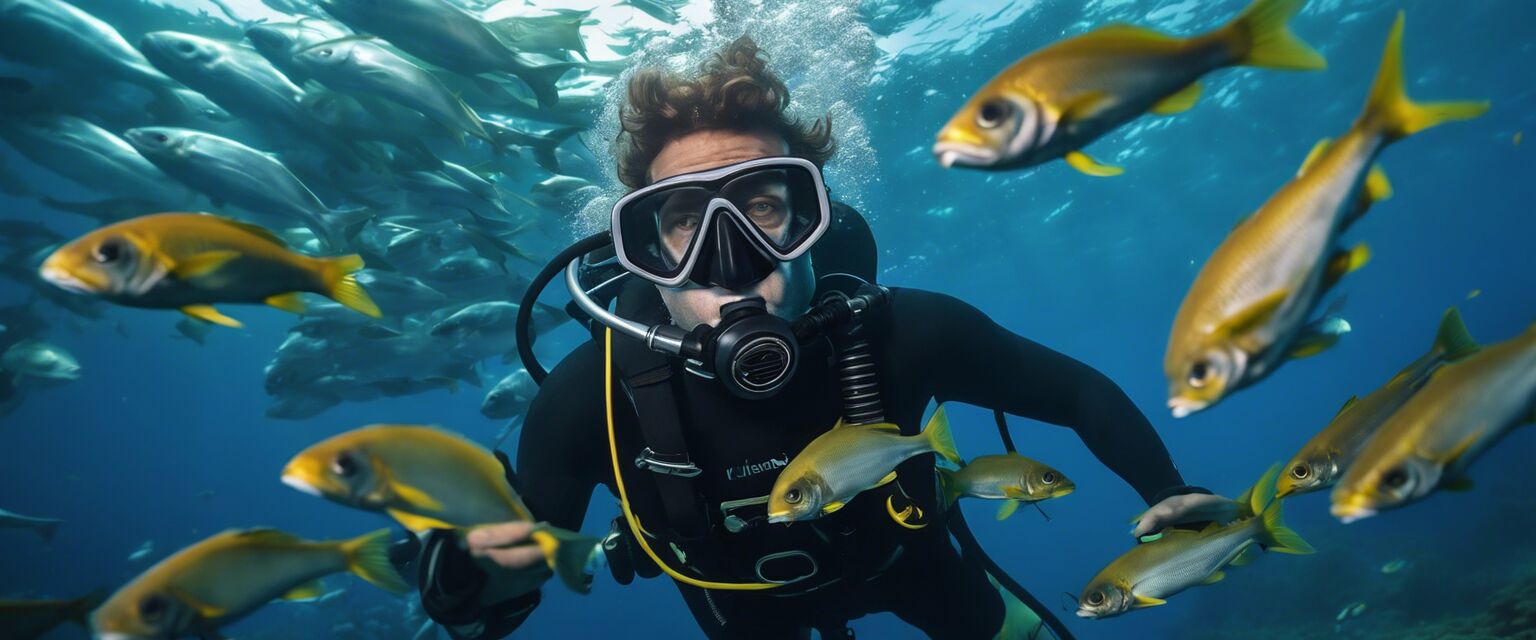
(417, 523)
(207, 313)
(1181, 101)
(1086, 165)
(1007, 509)
(1314, 155)
(1246, 556)
(1461, 448)
(290, 302)
(202, 264)
(1377, 186)
(1458, 484)
(312, 589)
(889, 478)
(1086, 106)
(1143, 602)
(1254, 314)
(207, 611)
(1214, 578)
(415, 497)
(832, 507)
(1347, 404)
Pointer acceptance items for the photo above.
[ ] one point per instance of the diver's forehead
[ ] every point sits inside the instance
(713, 148)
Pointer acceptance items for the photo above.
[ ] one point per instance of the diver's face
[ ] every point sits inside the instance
(787, 291)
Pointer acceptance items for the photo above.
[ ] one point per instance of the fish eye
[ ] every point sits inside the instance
(993, 112)
(325, 52)
(108, 251)
(185, 47)
(1199, 373)
(1049, 477)
(153, 607)
(161, 138)
(345, 466)
(1301, 471)
(1397, 478)
(1096, 598)
(793, 496)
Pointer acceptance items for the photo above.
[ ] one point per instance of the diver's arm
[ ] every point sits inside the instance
(974, 360)
(557, 468)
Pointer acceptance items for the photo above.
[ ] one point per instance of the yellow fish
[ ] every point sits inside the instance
(1057, 100)
(1325, 457)
(1247, 311)
(31, 619)
(848, 460)
(1179, 559)
(226, 577)
(1010, 477)
(1464, 409)
(427, 478)
(191, 261)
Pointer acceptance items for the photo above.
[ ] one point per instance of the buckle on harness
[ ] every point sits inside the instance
(679, 466)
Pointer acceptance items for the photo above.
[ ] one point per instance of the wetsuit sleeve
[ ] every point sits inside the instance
(557, 468)
(969, 358)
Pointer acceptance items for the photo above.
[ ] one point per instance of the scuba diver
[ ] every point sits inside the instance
(735, 318)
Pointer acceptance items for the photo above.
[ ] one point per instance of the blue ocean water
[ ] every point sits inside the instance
(167, 441)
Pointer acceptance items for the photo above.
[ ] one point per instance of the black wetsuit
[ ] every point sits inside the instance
(928, 346)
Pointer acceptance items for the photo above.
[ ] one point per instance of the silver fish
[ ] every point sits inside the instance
(57, 35)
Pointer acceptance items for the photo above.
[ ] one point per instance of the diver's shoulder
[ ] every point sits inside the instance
(580, 367)
(921, 312)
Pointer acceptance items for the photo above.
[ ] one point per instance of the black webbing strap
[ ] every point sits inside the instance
(648, 378)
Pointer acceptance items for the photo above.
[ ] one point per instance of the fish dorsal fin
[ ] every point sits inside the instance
(1122, 32)
(207, 611)
(1312, 156)
(1347, 404)
(1181, 101)
(266, 534)
(203, 264)
(312, 589)
(1254, 314)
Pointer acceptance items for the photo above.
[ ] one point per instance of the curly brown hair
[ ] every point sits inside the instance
(734, 91)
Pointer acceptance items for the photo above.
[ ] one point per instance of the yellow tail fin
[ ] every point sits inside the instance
(940, 438)
(1261, 37)
(1278, 538)
(567, 553)
(368, 557)
(1389, 110)
(337, 283)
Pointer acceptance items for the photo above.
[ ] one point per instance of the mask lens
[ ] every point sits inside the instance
(659, 229)
(781, 202)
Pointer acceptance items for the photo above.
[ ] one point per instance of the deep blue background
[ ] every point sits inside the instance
(1093, 267)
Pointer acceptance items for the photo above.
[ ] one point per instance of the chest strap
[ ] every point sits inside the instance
(629, 514)
(648, 380)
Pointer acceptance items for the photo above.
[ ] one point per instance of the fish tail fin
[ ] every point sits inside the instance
(1453, 341)
(368, 557)
(1261, 495)
(1277, 537)
(1389, 109)
(79, 610)
(949, 486)
(544, 149)
(567, 553)
(940, 439)
(338, 283)
(542, 79)
(1261, 37)
(345, 223)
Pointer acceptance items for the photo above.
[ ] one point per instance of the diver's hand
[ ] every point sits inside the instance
(1185, 509)
(513, 564)
(506, 545)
